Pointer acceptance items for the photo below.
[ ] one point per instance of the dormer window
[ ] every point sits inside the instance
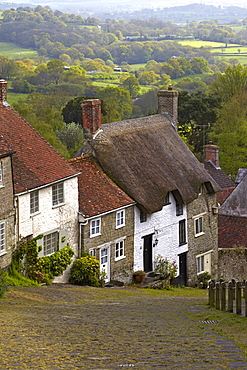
(167, 199)
(179, 208)
(143, 216)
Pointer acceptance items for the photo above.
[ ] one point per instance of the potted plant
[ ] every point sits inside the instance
(102, 278)
(139, 276)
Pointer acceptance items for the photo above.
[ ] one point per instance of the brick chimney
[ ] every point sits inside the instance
(91, 115)
(212, 154)
(3, 91)
(168, 104)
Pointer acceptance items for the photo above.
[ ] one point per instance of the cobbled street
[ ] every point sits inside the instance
(70, 327)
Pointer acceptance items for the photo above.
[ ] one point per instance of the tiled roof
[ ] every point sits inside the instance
(219, 176)
(5, 148)
(35, 162)
(97, 193)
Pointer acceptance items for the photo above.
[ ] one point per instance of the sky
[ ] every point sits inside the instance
(137, 3)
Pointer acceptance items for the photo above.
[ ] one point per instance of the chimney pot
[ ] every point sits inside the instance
(168, 103)
(91, 115)
(3, 91)
(212, 154)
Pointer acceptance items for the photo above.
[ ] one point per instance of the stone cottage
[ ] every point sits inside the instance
(45, 186)
(148, 160)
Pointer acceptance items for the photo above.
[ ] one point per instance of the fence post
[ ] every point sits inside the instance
(211, 293)
(223, 296)
(245, 297)
(230, 296)
(234, 290)
(217, 296)
(238, 298)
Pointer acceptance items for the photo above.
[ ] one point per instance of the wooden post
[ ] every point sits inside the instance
(230, 296)
(223, 296)
(245, 297)
(238, 298)
(211, 293)
(234, 290)
(217, 296)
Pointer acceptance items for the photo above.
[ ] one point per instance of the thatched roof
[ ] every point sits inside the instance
(147, 158)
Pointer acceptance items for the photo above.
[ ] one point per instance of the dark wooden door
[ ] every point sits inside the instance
(148, 252)
(183, 269)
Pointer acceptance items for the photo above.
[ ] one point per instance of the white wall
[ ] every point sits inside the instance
(165, 226)
(64, 217)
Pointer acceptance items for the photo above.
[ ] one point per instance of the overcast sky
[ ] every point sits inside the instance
(138, 3)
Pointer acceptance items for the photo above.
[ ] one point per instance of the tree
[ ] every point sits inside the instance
(230, 133)
(196, 113)
(233, 81)
(71, 136)
(132, 85)
(148, 78)
(116, 104)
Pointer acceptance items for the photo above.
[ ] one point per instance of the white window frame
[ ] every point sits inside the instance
(203, 262)
(95, 227)
(2, 237)
(120, 218)
(34, 202)
(57, 194)
(1, 174)
(198, 224)
(119, 250)
(50, 243)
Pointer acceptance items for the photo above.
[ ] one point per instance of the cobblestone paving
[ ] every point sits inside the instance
(65, 327)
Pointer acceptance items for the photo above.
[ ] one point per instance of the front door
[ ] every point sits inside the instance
(105, 262)
(183, 269)
(148, 252)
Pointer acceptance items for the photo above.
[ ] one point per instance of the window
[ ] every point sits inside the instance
(2, 237)
(120, 219)
(182, 232)
(1, 174)
(92, 252)
(57, 194)
(34, 201)
(167, 199)
(179, 208)
(200, 264)
(95, 227)
(198, 226)
(50, 243)
(119, 250)
(143, 216)
(203, 262)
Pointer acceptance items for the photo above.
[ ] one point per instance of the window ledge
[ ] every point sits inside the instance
(119, 227)
(94, 235)
(35, 214)
(200, 234)
(3, 253)
(184, 243)
(58, 205)
(120, 258)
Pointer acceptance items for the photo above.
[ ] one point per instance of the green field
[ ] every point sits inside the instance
(206, 44)
(15, 52)
(13, 97)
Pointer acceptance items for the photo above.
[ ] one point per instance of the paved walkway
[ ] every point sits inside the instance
(65, 327)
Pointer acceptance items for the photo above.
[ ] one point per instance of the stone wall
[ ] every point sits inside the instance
(233, 263)
(122, 269)
(205, 241)
(7, 213)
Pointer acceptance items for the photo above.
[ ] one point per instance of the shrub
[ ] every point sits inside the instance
(85, 271)
(3, 283)
(56, 263)
(164, 267)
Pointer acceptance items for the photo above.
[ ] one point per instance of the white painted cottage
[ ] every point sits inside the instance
(45, 185)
